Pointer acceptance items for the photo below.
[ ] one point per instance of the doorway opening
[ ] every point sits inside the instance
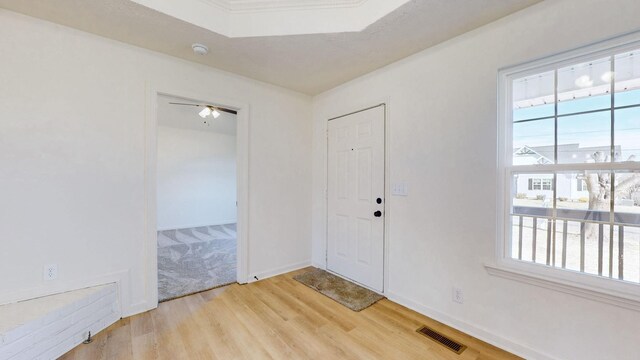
(196, 206)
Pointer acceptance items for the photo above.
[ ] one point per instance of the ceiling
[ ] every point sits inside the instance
(186, 117)
(309, 63)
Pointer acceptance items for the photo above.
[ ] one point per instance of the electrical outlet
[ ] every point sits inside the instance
(50, 272)
(458, 295)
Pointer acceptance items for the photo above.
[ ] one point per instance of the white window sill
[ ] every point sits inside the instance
(613, 292)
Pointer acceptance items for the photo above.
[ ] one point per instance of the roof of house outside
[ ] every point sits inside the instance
(567, 153)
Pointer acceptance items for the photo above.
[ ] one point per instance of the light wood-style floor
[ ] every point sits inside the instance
(276, 318)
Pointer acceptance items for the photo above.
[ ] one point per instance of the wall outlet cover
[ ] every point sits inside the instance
(50, 272)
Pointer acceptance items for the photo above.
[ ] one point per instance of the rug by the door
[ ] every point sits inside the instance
(353, 296)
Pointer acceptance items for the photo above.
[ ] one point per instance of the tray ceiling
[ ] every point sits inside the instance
(252, 18)
(309, 63)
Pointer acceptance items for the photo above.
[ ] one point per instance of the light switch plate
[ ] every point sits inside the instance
(399, 189)
(458, 295)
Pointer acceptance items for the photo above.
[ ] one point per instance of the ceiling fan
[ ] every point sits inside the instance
(208, 110)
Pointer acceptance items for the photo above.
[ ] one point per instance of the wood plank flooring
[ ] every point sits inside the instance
(276, 318)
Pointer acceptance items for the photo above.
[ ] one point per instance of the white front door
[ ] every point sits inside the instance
(355, 246)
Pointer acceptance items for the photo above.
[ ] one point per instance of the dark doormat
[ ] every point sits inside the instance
(353, 296)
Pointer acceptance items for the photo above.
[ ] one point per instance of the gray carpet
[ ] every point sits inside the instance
(351, 295)
(195, 259)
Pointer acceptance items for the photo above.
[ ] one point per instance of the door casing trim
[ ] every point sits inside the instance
(150, 183)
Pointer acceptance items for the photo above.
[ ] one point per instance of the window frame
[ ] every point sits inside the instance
(609, 290)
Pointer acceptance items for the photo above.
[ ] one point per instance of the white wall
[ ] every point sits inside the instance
(196, 178)
(72, 152)
(442, 138)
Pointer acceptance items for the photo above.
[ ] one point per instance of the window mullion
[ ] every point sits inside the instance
(613, 106)
(554, 212)
(555, 116)
(612, 174)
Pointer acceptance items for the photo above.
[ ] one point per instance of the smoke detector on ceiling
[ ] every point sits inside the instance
(200, 49)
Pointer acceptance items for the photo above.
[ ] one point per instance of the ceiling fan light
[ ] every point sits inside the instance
(215, 113)
(205, 112)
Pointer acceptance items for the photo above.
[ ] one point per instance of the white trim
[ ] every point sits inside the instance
(599, 288)
(252, 6)
(138, 308)
(387, 193)
(563, 283)
(470, 329)
(242, 177)
(209, 223)
(278, 271)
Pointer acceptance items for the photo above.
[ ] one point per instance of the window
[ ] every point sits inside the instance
(568, 123)
(540, 184)
(581, 185)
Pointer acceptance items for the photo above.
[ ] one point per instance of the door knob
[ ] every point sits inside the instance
(377, 213)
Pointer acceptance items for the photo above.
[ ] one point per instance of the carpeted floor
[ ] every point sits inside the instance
(351, 295)
(195, 259)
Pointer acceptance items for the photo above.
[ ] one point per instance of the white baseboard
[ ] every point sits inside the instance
(137, 308)
(278, 271)
(470, 329)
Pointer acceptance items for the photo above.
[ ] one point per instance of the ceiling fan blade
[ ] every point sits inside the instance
(175, 103)
(210, 106)
(227, 111)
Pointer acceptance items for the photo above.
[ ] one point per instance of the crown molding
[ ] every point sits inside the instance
(237, 6)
